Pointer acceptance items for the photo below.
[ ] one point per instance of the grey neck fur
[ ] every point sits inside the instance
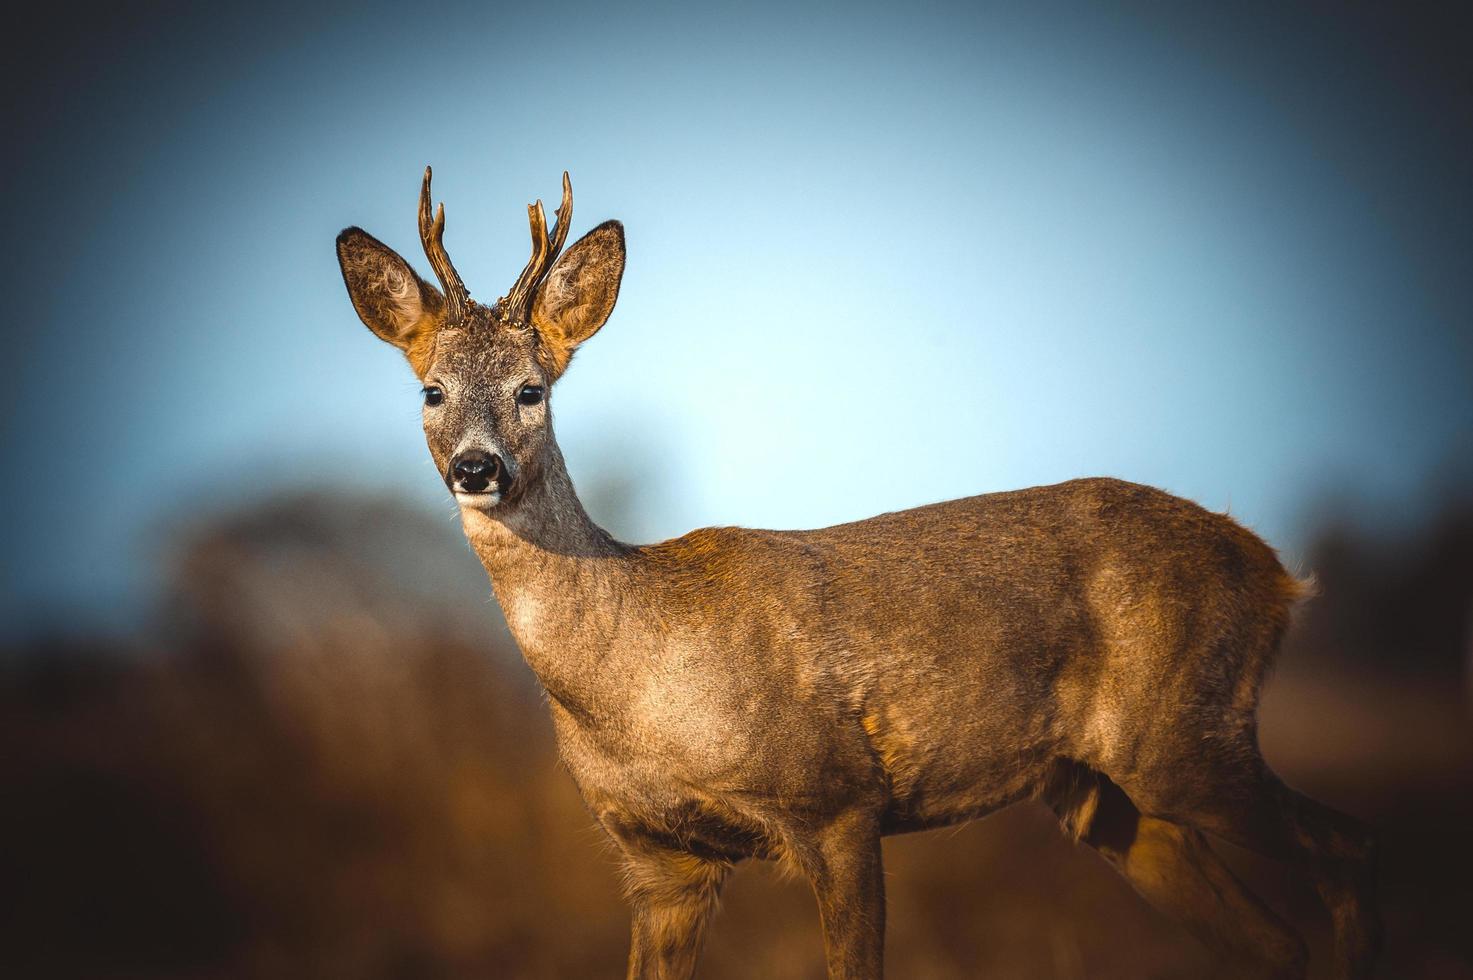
(553, 570)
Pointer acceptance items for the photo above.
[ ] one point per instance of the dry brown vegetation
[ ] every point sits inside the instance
(326, 759)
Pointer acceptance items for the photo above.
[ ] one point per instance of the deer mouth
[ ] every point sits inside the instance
(484, 500)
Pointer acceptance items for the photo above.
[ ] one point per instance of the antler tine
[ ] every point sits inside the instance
(517, 303)
(432, 236)
(546, 246)
(564, 215)
(537, 266)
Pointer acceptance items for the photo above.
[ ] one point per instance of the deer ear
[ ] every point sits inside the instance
(579, 292)
(394, 302)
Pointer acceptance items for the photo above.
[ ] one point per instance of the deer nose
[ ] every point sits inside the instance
(475, 471)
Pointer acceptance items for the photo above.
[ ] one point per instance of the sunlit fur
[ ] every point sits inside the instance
(795, 695)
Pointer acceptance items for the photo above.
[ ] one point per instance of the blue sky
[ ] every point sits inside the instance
(877, 257)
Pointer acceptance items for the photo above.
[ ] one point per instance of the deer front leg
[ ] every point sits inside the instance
(673, 895)
(843, 863)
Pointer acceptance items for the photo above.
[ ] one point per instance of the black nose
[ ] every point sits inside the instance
(475, 471)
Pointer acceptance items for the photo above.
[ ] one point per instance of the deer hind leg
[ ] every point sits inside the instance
(673, 895)
(1337, 850)
(1174, 868)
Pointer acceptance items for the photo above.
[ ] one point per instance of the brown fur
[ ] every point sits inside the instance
(795, 695)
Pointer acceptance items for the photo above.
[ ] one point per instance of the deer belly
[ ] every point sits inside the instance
(939, 773)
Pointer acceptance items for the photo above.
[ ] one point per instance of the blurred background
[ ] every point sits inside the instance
(259, 713)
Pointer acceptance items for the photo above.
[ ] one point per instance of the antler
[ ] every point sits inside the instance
(432, 234)
(515, 306)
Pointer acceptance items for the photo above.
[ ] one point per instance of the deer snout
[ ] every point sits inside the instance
(475, 471)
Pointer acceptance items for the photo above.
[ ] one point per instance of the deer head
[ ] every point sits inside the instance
(487, 370)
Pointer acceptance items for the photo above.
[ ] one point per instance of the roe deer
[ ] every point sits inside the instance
(797, 695)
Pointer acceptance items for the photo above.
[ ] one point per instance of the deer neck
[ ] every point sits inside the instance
(559, 578)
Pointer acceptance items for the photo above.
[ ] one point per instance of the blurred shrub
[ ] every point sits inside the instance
(323, 769)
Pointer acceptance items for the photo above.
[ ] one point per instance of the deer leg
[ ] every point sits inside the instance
(843, 863)
(1345, 877)
(1174, 868)
(1338, 850)
(673, 896)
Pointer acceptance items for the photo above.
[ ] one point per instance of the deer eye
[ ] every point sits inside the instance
(529, 395)
(434, 395)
